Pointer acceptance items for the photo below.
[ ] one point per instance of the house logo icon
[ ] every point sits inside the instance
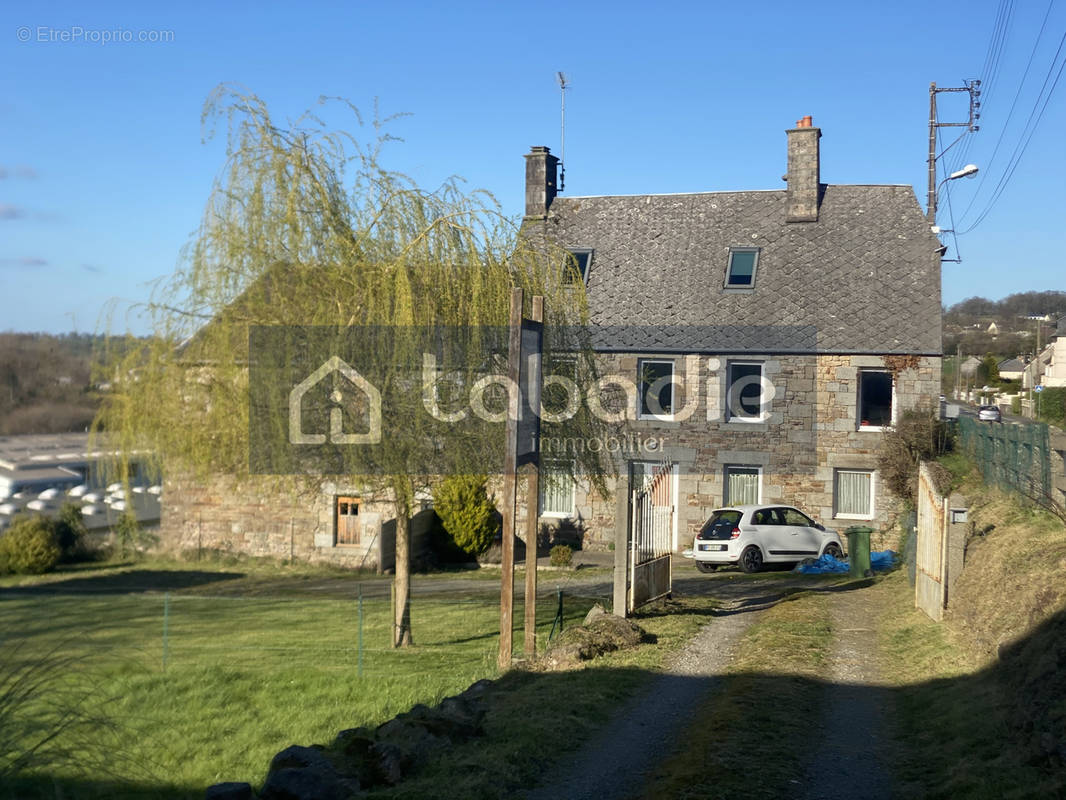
(336, 414)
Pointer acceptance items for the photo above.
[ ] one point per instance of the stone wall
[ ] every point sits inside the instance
(282, 518)
(811, 432)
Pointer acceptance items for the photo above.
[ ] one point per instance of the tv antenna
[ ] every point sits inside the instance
(562, 130)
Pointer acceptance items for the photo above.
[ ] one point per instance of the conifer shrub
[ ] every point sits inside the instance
(29, 547)
(561, 555)
(70, 531)
(466, 511)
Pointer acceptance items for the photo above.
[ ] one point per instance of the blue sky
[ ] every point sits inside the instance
(104, 173)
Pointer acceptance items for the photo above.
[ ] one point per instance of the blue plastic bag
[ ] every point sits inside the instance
(827, 565)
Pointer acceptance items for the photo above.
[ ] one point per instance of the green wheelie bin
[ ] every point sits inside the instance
(859, 551)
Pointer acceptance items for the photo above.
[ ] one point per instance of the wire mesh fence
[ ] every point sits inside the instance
(195, 685)
(1013, 457)
(168, 631)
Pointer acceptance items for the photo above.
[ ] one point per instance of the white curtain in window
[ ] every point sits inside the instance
(556, 492)
(742, 486)
(853, 493)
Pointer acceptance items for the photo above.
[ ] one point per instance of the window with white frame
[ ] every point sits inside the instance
(556, 490)
(655, 383)
(742, 485)
(745, 398)
(875, 398)
(854, 493)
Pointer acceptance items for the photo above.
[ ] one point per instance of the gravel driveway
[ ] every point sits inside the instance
(644, 731)
(848, 762)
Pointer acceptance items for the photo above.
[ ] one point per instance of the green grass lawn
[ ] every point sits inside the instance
(207, 679)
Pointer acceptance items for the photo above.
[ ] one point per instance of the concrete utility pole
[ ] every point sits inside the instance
(974, 90)
(958, 368)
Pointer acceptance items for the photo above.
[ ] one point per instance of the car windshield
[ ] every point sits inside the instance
(720, 525)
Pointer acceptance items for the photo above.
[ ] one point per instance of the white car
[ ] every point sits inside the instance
(754, 535)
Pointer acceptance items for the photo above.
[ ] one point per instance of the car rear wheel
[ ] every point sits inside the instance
(833, 549)
(703, 566)
(751, 559)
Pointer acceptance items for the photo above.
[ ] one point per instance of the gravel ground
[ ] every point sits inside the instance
(646, 729)
(848, 750)
(848, 761)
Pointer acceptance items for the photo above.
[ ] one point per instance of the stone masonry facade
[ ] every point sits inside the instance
(811, 432)
(278, 518)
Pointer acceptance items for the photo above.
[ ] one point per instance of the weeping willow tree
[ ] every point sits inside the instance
(304, 230)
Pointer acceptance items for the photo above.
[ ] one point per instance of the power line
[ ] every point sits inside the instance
(951, 212)
(990, 71)
(1031, 125)
(1017, 95)
(996, 46)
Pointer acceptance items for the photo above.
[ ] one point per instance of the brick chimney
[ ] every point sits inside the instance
(804, 173)
(541, 181)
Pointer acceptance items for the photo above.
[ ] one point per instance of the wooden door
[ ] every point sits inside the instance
(348, 527)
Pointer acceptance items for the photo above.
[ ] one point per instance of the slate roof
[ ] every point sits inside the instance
(864, 278)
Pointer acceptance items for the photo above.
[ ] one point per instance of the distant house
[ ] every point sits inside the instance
(1048, 368)
(1054, 356)
(993, 329)
(968, 368)
(1011, 369)
(806, 318)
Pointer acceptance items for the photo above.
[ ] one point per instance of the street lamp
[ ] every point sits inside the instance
(966, 172)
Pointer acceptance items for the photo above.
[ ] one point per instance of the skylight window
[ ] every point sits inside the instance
(577, 266)
(741, 271)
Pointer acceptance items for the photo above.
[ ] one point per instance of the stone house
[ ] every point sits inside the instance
(772, 337)
(769, 338)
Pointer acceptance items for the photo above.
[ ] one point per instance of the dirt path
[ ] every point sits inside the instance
(849, 759)
(647, 729)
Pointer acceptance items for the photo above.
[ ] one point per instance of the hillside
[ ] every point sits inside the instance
(1009, 605)
(45, 382)
(1017, 328)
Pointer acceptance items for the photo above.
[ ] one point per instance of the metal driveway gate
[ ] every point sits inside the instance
(651, 522)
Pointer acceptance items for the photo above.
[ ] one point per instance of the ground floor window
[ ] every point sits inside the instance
(742, 485)
(347, 520)
(854, 493)
(556, 490)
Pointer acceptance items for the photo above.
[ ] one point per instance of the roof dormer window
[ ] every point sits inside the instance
(740, 274)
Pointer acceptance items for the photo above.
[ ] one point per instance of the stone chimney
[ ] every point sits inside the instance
(804, 173)
(541, 181)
